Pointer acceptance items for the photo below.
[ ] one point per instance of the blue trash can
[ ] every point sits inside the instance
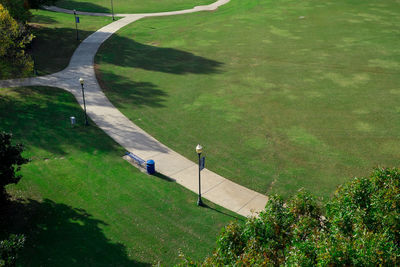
(150, 167)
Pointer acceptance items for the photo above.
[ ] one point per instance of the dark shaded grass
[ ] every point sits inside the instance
(60, 235)
(79, 203)
(56, 41)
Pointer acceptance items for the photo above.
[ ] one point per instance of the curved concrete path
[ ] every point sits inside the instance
(214, 187)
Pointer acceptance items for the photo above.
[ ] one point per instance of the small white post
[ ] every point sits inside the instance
(73, 121)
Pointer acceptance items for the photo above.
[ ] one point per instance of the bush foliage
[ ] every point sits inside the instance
(360, 226)
(10, 162)
(14, 38)
(9, 249)
(18, 10)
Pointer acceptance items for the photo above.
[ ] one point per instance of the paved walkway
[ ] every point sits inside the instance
(214, 187)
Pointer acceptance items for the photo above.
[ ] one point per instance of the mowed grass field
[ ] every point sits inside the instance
(130, 6)
(80, 204)
(281, 94)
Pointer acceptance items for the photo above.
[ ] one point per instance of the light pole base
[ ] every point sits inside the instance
(200, 202)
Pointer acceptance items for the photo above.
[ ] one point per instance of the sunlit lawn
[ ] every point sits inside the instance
(130, 6)
(81, 204)
(281, 94)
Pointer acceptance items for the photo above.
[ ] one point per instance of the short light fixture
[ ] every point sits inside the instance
(84, 103)
(199, 150)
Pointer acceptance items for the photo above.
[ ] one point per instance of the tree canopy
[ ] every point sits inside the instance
(10, 163)
(14, 38)
(9, 249)
(359, 226)
(39, 3)
(18, 10)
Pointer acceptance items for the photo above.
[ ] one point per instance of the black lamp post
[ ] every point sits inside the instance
(112, 9)
(34, 63)
(84, 103)
(199, 149)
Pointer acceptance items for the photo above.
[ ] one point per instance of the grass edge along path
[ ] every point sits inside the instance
(307, 101)
(56, 38)
(130, 6)
(83, 204)
(218, 189)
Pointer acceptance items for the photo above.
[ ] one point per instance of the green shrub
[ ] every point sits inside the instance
(18, 10)
(14, 38)
(10, 163)
(9, 249)
(361, 227)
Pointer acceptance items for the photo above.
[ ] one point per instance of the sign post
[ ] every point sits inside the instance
(202, 163)
(76, 24)
(112, 10)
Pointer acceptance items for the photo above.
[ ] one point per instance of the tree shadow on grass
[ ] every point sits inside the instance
(82, 6)
(224, 213)
(126, 52)
(53, 48)
(164, 177)
(40, 117)
(42, 19)
(130, 93)
(60, 235)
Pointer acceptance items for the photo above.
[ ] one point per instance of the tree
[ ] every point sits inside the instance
(18, 10)
(39, 3)
(9, 249)
(14, 38)
(10, 163)
(364, 217)
(361, 227)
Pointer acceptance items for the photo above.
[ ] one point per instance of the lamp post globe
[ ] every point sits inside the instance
(199, 150)
(81, 81)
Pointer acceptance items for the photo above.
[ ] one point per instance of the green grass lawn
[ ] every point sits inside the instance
(130, 6)
(281, 94)
(55, 40)
(81, 204)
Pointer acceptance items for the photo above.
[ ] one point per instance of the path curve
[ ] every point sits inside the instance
(215, 188)
(211, 7)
